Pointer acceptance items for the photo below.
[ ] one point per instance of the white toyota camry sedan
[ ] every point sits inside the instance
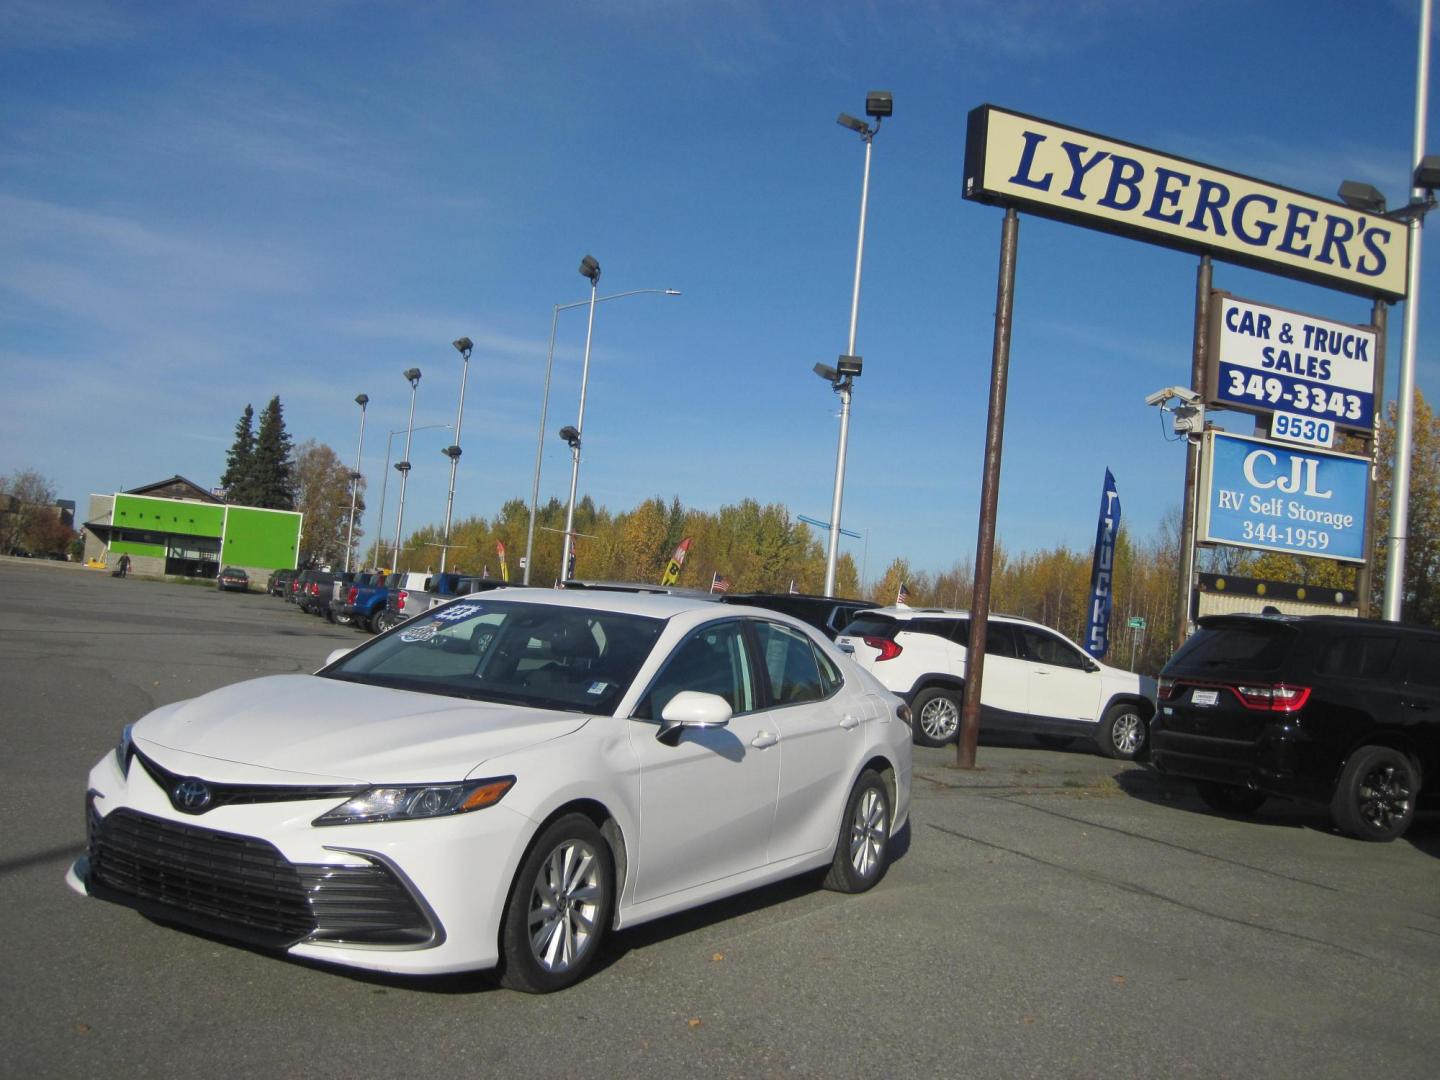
(500, 782)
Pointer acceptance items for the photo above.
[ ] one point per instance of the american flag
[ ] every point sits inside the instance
(719, 583)
(903, 596)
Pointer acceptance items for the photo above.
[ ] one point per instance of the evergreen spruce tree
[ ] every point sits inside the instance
(239, 478)
(274, 461)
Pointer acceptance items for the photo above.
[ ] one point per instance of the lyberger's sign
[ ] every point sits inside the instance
(1101, 183)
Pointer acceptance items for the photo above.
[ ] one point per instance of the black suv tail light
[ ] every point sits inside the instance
(1273, 697)
(888, 649)
(1164, 688)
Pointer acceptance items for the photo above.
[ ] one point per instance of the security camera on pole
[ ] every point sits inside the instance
(878, 105)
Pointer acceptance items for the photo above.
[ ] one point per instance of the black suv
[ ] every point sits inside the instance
(1323, 709)
(828, 614)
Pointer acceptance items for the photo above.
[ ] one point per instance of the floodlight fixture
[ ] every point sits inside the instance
(451, 452)
(846, 120)
(570, 436)
(412, 376)
(463, 346)
(849, 365)
(590, 268)
(1361, 196)
(828, 373)
(1427, 173)
(362, 400)
(879, 103)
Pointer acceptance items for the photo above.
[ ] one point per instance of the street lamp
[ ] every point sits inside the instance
(362, 400)
(463, 346)
(878, 105)
(384, 482)
(589, 268)
(412, 376)
(545, 404)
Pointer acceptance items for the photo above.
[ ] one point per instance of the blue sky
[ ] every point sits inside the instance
(203, 205)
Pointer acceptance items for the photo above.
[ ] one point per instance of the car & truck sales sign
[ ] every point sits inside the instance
(1260, 494)
(1268, 360)
(1103, 183)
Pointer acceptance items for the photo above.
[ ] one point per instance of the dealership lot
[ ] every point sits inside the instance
(1052, 914)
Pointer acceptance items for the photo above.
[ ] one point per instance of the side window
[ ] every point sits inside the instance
(939, 627)
(999, 641)
(1425, 662)
(790, 662)
(1365, 657)
(712, 660)
(1043, 648)
(830, 677)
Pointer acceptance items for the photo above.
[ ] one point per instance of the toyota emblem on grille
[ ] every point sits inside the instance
(192, 796)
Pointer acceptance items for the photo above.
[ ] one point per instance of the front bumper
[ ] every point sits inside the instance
(414, 897)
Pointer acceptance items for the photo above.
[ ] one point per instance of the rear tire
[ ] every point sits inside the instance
(862, 851)
(1228, 798)
(559, 909)
(1375, 798)
(936, 716)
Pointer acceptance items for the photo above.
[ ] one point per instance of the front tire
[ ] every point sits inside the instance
(1375, 798)
(1122, 732)
(559, 908)
(936, 715)
(862, 852)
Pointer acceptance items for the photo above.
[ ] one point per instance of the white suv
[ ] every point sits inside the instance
(1037, 681)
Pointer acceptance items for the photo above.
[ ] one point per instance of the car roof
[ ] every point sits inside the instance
(655, 605)
(903, 613)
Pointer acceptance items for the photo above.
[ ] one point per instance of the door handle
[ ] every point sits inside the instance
(849, 723)
(764, 739)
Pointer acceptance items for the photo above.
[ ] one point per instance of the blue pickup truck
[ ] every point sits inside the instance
(362, 605)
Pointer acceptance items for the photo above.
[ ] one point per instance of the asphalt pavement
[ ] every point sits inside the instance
(1051, 914)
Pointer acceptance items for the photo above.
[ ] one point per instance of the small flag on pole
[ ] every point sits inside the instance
(902, 598)
(504, 566)
(793, 590)
(719, 583)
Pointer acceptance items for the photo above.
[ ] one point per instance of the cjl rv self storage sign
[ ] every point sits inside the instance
(1267, 359)
(1266, 495)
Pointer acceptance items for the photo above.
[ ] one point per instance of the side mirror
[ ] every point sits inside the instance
(336, 654)
(692, 709)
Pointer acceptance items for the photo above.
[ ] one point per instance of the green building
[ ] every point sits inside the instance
(177, 527)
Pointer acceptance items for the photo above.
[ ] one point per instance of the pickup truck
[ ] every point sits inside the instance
(363, 603)
(418, 593)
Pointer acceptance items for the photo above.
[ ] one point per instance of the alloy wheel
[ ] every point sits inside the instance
(1384, 797)
(868, 833)
(1127, 733)
(940, 719)
(564, 906)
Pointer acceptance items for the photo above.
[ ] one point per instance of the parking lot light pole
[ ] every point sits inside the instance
(412, 376)
(545, 405)
(591, 269)
(463, 346)
(379, 544)
(362, 400)
(878, 105)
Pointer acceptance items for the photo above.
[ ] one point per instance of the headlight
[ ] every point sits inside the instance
(124, 750)
(418, 801)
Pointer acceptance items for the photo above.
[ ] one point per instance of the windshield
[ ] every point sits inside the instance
(538, 655)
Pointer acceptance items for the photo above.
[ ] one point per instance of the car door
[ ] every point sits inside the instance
(1007, 678)
(819, 720)
(1062, 684)
(707, 803)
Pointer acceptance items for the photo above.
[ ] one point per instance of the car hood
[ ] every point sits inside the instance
(306, 726)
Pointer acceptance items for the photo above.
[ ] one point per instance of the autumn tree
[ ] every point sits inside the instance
(24, 513)
(322, 483)
(1419, 592)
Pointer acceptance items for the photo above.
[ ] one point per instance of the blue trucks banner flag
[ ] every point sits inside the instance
(1097, 633)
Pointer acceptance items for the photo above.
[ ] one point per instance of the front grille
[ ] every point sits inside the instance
(242, 794)
(243, 887)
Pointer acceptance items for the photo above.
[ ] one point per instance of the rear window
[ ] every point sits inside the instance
(1254, 647)
(867, 625)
